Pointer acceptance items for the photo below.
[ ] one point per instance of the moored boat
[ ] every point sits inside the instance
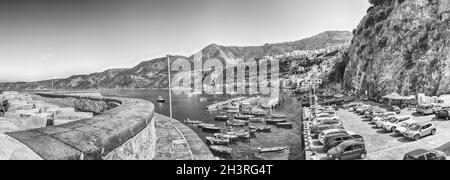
(211, 129)
(222, 117)
(218, 141)
(188, 121)
(278, 116)
(234, 123)
(285, 125)
(272, 149)
(230, 136)
(161, 99)
(265, 129)
(221, 149)
(243, 117)
(275, 121)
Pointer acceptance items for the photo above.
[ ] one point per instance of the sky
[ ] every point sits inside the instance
(44, 39)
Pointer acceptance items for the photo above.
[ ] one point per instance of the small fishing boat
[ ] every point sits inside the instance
(244, 134)
(161, 99)
(203, 99)
(285, 125)
(230, 136)
(205, 125)
(218, 141)
(275, 121)
(266, 129)
(242, 121)
(256, 120)
(278, 116)
(272, 149)
(233, 111)
(188, 121)
(222, 117)
(221, 149)
(243, 117)
(233, 123)
(211, 129)
(266, 106)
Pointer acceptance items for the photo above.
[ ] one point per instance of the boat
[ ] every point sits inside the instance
(244, 134)
(243, 117)
(221, 149)
(212, 129)
(218, 141)
(203, 99)
(205, 124)
(275, 121)
(161, 99)
(272, 149)
(266, 129)
(230, 136)
(242, 121)
(188, 121)
(222, 117)
(285, 125)
(278, 116)
(233, 123)
(256, 120)
(233, 111)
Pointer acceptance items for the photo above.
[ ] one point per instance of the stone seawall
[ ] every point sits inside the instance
(124, 129)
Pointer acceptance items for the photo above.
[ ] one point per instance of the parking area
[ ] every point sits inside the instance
(383, 145)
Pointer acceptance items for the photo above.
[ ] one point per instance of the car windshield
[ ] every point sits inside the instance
(404, 125)
(414, 127)
(393, 120)
(340, 147)
(325, 115)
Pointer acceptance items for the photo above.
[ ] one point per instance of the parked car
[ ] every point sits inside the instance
(358, 105)
(329, 132)
(443, 114)
(395, 109)
(348, 150)
(380, 123)
(333, 140)
(395, 122)
(403, 127)
(425, 109)
(418, 130)
(385, 115)
(377, 113)
(362, 109)
(329, 122)
(316, 130)
(423, 154)
(437, 107)
(370, 111)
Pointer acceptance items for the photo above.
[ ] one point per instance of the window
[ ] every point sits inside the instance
(347, 149)
(431, 156)
(421, 157)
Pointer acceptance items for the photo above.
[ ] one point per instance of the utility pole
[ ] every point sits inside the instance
(170, 86)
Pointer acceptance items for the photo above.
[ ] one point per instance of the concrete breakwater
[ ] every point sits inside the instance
(123, 128)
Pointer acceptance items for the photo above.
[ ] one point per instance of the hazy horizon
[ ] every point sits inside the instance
(44, 39)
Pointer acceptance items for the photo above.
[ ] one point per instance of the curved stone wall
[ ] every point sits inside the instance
(124, 129)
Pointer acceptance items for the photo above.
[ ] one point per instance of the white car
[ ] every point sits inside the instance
(328, 116)
(395, 122)
(384, 116)
(404, 126)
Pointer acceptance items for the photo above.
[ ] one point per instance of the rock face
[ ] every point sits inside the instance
(401, 46)
(153, 73)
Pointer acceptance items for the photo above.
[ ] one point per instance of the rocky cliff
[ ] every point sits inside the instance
(153, 73)
(401, 46)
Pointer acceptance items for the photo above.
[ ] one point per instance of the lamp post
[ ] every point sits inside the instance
(170, 86)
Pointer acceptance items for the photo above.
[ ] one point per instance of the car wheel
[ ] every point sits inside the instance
(433, 132)
(363, 156)
(337, 159)
(416, 137)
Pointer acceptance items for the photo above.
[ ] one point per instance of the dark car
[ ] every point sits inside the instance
(348, 150)
(333, 140)
(395, 109)
(423, 154)
(443, 114)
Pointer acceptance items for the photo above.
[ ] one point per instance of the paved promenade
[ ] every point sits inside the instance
(176, 141)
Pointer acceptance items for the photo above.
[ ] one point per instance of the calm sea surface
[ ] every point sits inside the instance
(194, 109)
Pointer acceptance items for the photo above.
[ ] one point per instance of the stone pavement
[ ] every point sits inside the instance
(175, 141)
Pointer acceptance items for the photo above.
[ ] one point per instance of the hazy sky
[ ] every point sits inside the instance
(42, 39)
